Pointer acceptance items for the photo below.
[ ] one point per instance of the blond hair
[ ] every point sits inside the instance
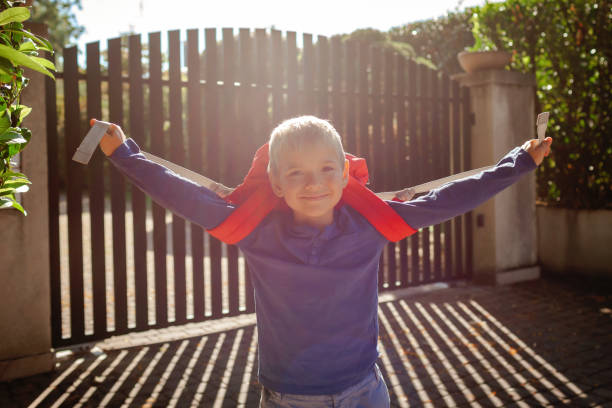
(293, 134)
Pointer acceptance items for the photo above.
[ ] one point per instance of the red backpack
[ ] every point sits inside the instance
(254, 199)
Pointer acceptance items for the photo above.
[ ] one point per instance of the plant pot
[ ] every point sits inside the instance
(472, 61)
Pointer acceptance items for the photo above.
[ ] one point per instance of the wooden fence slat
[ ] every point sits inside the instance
(278, 81)
(388, 163)
(436, 156)
(467, 151)
(156, 119)
(74, 192)
(262, 117)
(292, 75)
(53, 191)
(364, 110)
(375, 150)
(194, 130)
(139, 210)
(115, 97)
(337, 92)
(426, 166)
(350, 65)
(457, 221)
(402, 165)
(307, 105)
(415, 178)
(96, 196)
(213, 168)
(322, 80)
(245, 109)
(177, 156)
(232, 144)
(247, 100)
(446, 170)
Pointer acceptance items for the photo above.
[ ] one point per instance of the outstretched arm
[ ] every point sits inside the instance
(182, 196)
(461, 196)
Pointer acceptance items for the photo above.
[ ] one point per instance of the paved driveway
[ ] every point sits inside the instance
(542, 343)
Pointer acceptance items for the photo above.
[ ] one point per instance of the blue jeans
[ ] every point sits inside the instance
(371, 392)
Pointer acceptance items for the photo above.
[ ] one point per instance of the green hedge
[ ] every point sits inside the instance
(568, 46)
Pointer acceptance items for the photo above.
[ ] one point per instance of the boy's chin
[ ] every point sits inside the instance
(314, 217)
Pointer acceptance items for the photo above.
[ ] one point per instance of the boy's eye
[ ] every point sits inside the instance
(294, 173)
(328, 168)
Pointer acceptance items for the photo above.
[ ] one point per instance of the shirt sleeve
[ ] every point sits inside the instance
(182, 196)
(460, 196)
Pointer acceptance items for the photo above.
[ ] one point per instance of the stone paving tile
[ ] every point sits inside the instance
(542, 343)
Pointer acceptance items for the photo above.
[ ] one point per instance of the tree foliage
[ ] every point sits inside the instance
(58, 15)
(386, 41)
(438, 40)
(566, 45)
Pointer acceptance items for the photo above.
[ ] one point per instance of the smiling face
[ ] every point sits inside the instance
(311, 180)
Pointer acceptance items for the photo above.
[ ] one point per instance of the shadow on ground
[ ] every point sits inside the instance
(543, 343)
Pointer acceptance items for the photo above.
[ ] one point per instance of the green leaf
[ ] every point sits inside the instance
(12, 136)
(5, 38)
(6, 64)
(26, 133)
(44, 62)
(14, 14)
(15, 176)
(19, 58)
(7, 191)
(27, 46)
(43, 44)
(5, 123)
(18, 186)
(5, 202)
(14, 148)
(18, 206)
(25, 111)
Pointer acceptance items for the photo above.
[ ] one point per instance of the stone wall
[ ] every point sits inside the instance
(575, 241)
(25, 317)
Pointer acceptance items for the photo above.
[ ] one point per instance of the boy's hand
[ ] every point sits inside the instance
(538, 150)
(405, 194)
(221, 190)
(112, 139)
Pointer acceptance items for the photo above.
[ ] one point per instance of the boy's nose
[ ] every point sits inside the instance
(312, 180)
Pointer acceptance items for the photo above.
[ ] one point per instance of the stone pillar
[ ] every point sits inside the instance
(505, 236)
(25, 304)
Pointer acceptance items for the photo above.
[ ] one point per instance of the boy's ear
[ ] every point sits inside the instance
(275, 184)
(345, 173)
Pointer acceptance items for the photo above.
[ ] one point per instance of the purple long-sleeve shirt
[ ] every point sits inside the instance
(315, 291)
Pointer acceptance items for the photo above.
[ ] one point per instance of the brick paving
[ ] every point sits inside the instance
(541, 343)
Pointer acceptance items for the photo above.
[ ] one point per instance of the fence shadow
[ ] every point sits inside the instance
(432, 353)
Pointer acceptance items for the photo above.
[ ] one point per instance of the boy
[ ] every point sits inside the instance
(314, 268)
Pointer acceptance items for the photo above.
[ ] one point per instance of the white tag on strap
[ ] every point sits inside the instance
(541, 124)
(89, 144)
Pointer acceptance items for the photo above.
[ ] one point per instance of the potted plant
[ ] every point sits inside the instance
(483, 55)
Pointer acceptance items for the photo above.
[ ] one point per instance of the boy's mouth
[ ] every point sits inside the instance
(314, 197)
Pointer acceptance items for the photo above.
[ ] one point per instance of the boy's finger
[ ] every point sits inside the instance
(92, 121)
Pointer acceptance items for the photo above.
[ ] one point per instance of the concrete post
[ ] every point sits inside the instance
(25, 304)
(505, 236)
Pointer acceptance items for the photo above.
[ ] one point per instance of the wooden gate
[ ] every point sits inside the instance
(120, 263)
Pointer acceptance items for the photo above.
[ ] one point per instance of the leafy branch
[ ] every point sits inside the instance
(19, 49)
